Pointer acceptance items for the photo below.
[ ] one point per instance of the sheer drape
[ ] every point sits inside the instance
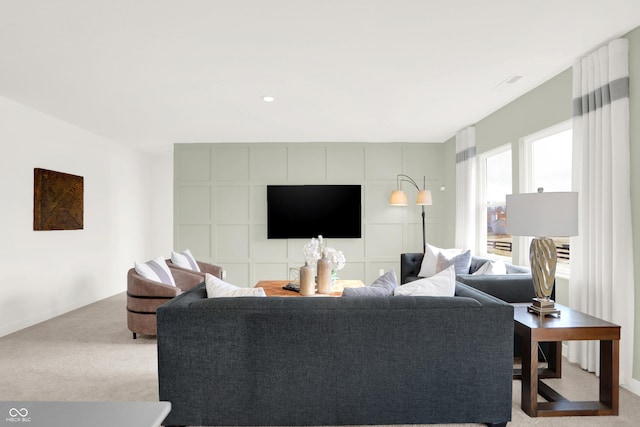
(602, 276)
(465, 189)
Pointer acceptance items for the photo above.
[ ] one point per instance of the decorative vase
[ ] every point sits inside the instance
(307, 283)
(324, 274)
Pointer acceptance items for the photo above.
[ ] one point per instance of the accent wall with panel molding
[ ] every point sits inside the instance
(220, 203)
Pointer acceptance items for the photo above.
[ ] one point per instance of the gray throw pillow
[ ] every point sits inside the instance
(382, 286)
(461, 262)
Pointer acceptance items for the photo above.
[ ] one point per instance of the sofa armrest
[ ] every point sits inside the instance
(210, 268)
(186, 279)
(204, 268)
(517, 269)
(508, 287)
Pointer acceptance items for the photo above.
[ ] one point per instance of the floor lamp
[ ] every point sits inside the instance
(399, 198)
(542, 215)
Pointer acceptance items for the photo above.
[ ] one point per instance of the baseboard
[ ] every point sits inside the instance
(47, 315)
(633, 387)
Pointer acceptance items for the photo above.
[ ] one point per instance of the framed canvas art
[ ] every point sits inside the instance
(58, 200)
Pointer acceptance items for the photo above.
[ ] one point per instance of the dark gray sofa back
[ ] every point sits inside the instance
(411, 262)
(335, 361)
(515, 286)
(477, 262)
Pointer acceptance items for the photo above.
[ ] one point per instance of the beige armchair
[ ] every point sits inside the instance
(144, 296)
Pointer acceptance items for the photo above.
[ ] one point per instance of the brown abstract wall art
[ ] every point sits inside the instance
(58, 200)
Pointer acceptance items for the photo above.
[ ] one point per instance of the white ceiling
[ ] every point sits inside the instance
(150, 73)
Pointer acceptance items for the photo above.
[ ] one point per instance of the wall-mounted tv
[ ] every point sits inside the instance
(306, 211)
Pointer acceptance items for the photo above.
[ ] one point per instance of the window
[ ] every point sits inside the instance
(494, 184)
(546, 163)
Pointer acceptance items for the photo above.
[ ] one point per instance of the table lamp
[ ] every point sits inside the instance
(542, 215)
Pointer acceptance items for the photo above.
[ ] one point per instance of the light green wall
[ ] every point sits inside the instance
(547, 105)
(220, 208)
(634, 113)
(544, 106)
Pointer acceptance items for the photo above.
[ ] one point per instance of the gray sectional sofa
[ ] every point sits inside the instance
(515, 286)
(336, 361)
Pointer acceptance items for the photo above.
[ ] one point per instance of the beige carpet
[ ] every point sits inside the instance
(88, 355)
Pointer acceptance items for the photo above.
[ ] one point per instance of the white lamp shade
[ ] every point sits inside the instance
(553, 214)
(399, 198)
(424, 198)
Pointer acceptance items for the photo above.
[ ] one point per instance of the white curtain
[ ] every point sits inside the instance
(466, 189)
(602, 276)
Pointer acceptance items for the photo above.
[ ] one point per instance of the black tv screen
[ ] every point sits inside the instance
(306, 211)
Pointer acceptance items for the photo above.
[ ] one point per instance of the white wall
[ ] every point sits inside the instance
(47, 273)
(161, 204)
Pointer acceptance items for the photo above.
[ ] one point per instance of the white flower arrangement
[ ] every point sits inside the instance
(336, 258)
(313, 252)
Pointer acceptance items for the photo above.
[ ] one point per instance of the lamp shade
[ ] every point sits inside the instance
(553, 214)
(424, 198)
(398, 198)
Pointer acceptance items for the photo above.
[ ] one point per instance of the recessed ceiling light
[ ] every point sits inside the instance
(511, 80)
(268, 98)
(507, 82)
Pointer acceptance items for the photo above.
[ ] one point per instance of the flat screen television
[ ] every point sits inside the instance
(306, 211)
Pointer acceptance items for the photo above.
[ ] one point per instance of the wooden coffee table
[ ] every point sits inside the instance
(572, 325)
(274, 288)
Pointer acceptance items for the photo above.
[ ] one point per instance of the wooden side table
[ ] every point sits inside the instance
(273, 288)
(572, 325)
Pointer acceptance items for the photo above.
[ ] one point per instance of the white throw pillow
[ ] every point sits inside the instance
(461, 262)
(491, 267)
(442, 284)
(217, 288)
(185, 260)
(156, 270)
(430, 260)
